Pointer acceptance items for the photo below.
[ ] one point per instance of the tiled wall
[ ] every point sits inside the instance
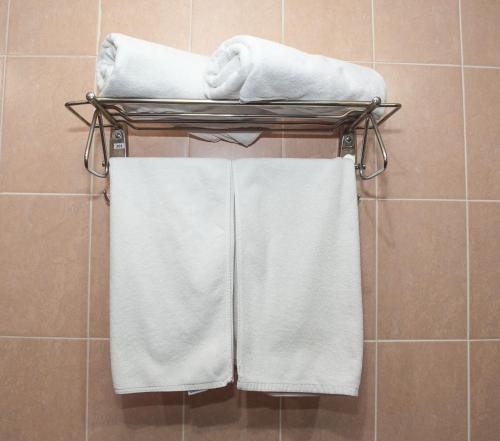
(430, 225)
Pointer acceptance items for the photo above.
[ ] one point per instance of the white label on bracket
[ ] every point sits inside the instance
(119, 145)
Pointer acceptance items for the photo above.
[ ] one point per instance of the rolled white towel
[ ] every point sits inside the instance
(252, 69)
(128, 67)
(133, 68)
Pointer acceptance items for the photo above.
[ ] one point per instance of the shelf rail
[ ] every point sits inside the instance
(120, 115)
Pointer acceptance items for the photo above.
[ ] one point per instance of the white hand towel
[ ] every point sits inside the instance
(133, 68)
(253, 69)
(128, 67)
(171, 247)
(298, 287)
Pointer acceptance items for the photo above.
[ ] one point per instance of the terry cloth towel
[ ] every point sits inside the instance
(253, 69)
(133, 68)
(128, 67)
(298, 283)
(171, 266)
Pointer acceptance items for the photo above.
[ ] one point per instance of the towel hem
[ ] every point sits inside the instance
(340, 389)
(172, 387)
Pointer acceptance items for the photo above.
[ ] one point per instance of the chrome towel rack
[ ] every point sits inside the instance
(208, 116)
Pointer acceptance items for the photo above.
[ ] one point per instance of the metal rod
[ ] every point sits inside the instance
(88, 147)
(312, 117)
(381, 146)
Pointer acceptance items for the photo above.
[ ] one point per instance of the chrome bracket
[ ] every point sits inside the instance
(347, 145)
(118, 143)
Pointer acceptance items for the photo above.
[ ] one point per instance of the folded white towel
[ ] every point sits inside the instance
(298, 289)
(133, 68)
(252, 69)
(171, 271)
(128, 67)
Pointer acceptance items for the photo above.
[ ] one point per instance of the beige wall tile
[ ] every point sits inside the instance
(422, 391)
(228, 414)
(481, 34)
(422, 270)
(162, 21)
(216, 20)
(338, 28)
(43, 143)
(266, 146)
(310, 147)
(334, 417)
(482, 100)
(43, 265)
(99, 269)
(3, 24)
(43, 390)
(52, 27)
(425, 138)
(484, 243)
(367, 219)
(158, 144)
(485, 390)
(143, 416)
(425, 31)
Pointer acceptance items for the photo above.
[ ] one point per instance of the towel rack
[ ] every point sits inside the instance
(141, 114)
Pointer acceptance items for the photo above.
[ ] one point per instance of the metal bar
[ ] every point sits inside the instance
(88, 147)
(211, 116)
(95, 102)
(369, 109)
(381, 146)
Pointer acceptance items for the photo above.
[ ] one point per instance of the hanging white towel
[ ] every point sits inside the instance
(298, 287)
(128, 67)
(253, 69)
(171, 272)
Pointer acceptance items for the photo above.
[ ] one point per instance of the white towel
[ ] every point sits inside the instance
(298, 288)
(253, 69)
(171, 247)
(133, 68)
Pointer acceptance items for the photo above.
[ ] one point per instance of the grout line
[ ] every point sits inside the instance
(375, 393)
(190, 42)
(89, 278)
(283, 21)
(29, 337)
(283, 151)
(47, 56)
(415, 340)
(364, 198)
(424, 340)
(393, 63)
(420, 200)
(13, 193)
(99, 20)
(409, 63)
(373, 29)
(478, 66)
(4, 74)
(482, 200)
(375, 430)
(475, 340)
(89, 257)
(467, 255)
